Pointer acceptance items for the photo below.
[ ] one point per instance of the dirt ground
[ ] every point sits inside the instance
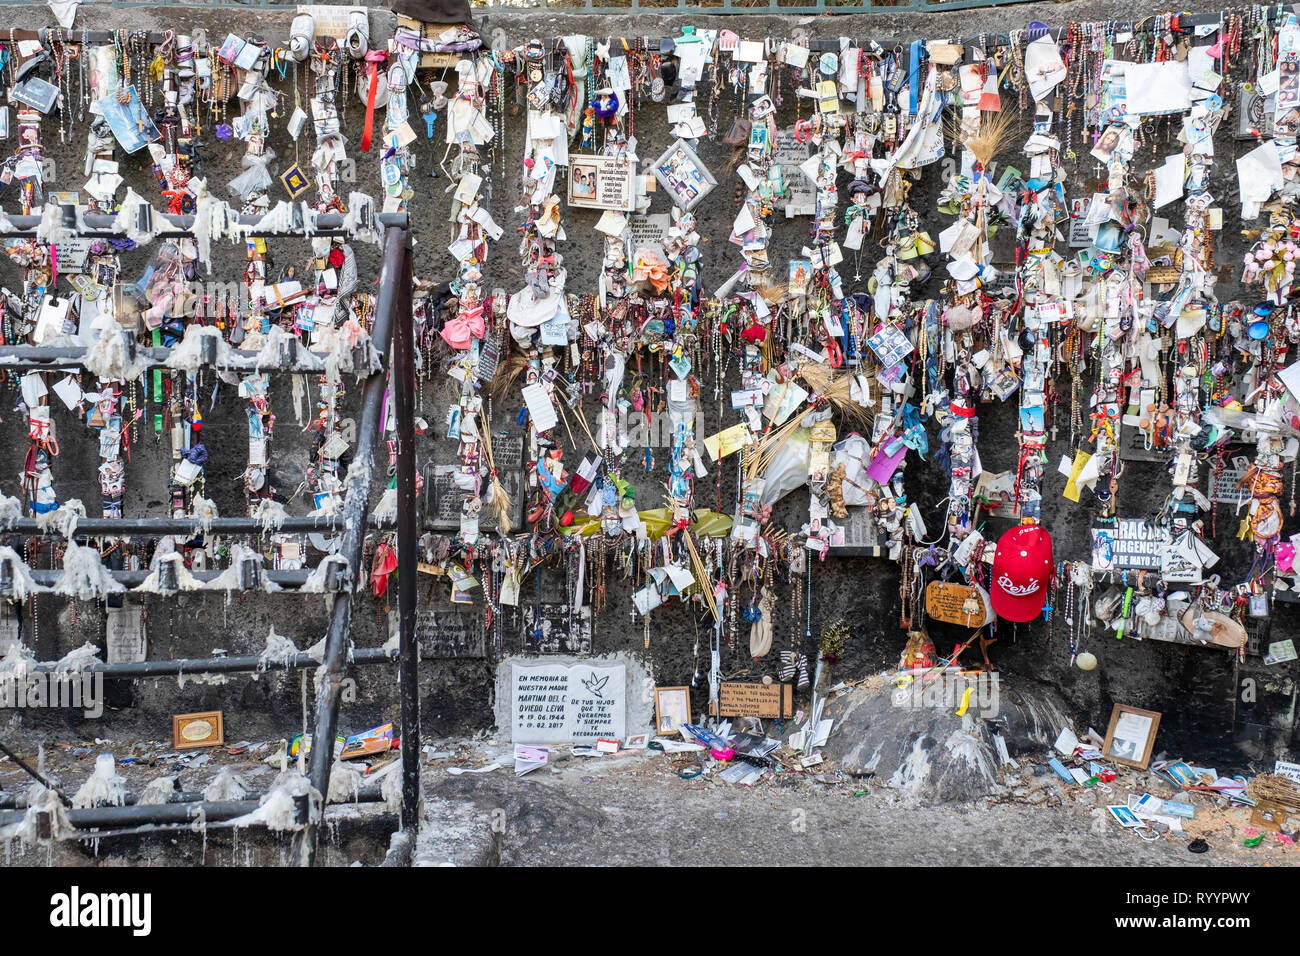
(637, 809)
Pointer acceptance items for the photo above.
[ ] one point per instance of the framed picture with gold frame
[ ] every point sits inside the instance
(1131, 736)
(191, 731)
(672, 709)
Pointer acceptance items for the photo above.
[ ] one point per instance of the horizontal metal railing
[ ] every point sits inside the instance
(597, 7)
(734, 7)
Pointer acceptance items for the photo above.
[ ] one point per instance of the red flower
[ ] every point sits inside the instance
(336, 257)
(754, 334)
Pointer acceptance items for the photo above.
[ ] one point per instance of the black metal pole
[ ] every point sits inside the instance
(355, 507)
(168, 812)
(39, 779)
(991, 40)
(408, 665)
(122, 527)
(58, 356)
(367, 794)
(218, 665)
(24, 227)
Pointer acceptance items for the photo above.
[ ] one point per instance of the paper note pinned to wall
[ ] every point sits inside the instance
(540, 406)
(727, 441)
(1157, 88)
(1071, 492)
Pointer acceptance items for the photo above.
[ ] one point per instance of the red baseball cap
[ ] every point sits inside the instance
(1022, 571)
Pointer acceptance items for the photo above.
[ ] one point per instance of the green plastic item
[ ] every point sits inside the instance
(157, 377)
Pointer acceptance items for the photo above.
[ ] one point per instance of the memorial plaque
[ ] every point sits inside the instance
(751, 699)
(443, 499)
(444, 507)
(9, 630)
(71, 253)
(124, 635)
(861, 536)
(800, 194)
(648, 230)
(329, 21)
(558, 703)
(955, 603)
(444, 633)
(1223, 487)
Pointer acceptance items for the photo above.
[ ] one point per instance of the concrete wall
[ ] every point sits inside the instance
(1197, 690)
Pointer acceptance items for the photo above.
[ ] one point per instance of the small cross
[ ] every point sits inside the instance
(1053, 432)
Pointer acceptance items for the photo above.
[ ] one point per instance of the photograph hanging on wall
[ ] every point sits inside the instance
(601, 182)
(550, 628)
(680, 172)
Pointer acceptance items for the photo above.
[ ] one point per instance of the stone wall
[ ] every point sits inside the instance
(1197, 690)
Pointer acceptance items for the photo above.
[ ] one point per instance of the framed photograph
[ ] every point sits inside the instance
(190, 731)
(672, 709)
(681, 173)
(1131, 736)
(601, 182)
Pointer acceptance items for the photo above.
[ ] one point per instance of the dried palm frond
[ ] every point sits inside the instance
(834, 387)
(996, 133)
(439, 351)
(500, 503)
(702, 576)
(582, 420)
(1276, 789)
(772, 441)
(773, 292)
(776, 537)
(509, 372)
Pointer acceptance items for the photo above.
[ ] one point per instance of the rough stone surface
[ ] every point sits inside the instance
(930, 752)
(1197, 690)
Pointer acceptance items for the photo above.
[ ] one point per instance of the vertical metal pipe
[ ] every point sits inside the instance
(408, 666)
(392, 277)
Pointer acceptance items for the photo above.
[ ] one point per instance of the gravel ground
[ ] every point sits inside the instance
(636, 811)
